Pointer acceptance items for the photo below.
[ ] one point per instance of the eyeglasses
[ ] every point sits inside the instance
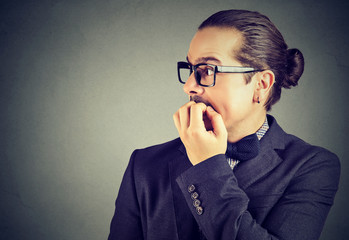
(205, 74)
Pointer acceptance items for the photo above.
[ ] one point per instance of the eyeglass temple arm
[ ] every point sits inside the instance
(228, 69)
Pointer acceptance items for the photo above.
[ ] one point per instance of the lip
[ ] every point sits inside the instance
(199, 99)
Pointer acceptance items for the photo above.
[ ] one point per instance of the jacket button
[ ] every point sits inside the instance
(194, 195)
(196, 203)
(191, 188)
(199, 210)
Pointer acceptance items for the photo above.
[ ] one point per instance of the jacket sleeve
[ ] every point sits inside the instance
(223, 212)
(126, 222)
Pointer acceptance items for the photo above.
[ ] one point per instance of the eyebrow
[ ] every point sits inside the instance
(205, 60)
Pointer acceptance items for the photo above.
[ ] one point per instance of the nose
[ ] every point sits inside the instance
(191, 87)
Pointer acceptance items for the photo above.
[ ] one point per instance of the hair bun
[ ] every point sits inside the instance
(295, 67)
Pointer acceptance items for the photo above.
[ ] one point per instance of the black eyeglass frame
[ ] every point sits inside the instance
(219, 69)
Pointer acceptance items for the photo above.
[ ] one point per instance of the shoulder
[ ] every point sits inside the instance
(298, 147)
(157, 154)
(304, 156)
(161, 149)
(289, 144)
(311, 157)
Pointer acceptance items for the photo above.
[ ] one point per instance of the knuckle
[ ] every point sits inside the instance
(183, 108)
(193, 107)
(188, 104)
(201, 105)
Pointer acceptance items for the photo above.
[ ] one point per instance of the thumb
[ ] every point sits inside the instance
(216, 121)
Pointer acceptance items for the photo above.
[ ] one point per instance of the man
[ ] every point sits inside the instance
(234, 173)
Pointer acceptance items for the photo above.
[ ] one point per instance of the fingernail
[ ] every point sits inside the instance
(209, 108)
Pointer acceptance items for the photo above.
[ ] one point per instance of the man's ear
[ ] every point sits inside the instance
(264, 82)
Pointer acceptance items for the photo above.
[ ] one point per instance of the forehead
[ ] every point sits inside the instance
(215, 43)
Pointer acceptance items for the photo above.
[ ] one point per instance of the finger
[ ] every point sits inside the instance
(184, 115)
(216, 121)
(176, 121)
(196, 115)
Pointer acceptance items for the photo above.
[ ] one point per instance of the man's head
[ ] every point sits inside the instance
(242, 38)
(263, 47)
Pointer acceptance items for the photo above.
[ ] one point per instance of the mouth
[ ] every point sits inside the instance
(199, 99)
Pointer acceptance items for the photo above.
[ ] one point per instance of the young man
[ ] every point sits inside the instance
(234, 173)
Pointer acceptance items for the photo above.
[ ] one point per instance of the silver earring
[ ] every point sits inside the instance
(258, 100)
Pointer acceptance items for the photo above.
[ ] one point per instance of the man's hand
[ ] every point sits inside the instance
(199, 142)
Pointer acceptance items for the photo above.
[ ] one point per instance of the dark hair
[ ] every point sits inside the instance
(263, 47)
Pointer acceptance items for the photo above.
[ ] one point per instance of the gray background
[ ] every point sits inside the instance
(83, 83)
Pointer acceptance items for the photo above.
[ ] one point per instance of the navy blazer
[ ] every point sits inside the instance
(284, 193)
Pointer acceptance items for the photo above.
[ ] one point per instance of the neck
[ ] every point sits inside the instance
(246, 127)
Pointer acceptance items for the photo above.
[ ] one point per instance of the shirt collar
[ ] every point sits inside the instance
(263, 129)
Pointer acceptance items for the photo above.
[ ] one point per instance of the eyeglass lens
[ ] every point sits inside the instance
(204, 74)
(184, 74)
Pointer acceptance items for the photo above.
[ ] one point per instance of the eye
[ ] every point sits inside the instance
(206, 70)
(209, 71)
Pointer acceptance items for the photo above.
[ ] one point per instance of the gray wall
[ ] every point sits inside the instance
(83, 83)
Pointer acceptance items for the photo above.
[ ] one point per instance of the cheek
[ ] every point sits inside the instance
(231, 98)
(234, 104)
